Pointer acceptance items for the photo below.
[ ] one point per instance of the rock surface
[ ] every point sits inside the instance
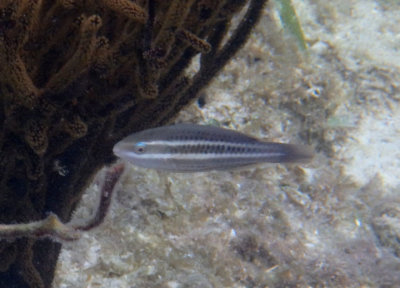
(331, 223)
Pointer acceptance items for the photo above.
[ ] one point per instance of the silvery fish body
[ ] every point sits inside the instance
(192, 148)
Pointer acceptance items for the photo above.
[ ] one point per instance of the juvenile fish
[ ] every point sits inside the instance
(192, 148)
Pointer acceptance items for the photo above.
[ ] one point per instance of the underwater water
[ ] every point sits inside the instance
(334, 222)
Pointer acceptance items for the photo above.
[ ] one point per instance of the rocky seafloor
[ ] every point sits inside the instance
(334, 222)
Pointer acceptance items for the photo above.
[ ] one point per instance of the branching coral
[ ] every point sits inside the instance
(77, 76)
(51, 227)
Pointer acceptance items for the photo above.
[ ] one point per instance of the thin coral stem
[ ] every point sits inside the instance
(207, 72)
(111, 179)
(50, 227)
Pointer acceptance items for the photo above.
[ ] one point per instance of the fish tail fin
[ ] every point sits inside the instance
(297, 153)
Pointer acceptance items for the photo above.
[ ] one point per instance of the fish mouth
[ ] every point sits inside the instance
(120, 149)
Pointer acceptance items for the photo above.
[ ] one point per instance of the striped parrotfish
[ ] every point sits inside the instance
(193, 148)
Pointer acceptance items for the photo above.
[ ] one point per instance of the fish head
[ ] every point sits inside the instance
(140, 149)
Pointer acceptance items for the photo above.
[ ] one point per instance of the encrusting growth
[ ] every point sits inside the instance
(199, 44)
(76, 77)
(128, 9)
(36, 136)
(75, 127)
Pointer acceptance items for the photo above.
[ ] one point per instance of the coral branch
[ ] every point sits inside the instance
(82, 58)
(128, 9)
(197, 43)
(75, 127)
(176, 14)
(50, 227)
(36, 136)
(111, 179)
(72, 84)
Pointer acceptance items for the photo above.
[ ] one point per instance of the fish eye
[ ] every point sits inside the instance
(140, 147)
